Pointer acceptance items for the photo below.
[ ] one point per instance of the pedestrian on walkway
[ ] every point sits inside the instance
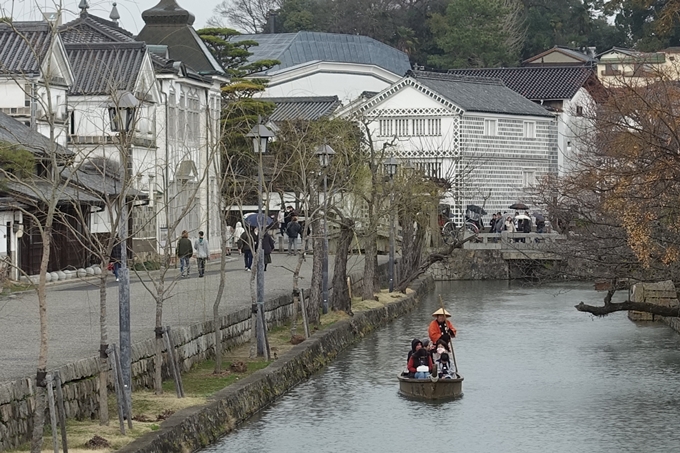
(267, 245)
(202, 253)
(244, 244)
(238, 232)
(115, 258)
(293, 232)
(184, 253)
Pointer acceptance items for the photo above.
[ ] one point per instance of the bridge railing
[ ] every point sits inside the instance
(512, 241)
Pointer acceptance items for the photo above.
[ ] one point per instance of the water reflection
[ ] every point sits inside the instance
(539, 376)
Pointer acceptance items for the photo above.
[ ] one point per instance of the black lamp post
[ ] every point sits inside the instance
(260, 135)
(325, 153)
(122, 111)
(391, 170)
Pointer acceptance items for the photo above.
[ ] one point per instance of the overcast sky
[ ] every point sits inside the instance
(130, 10)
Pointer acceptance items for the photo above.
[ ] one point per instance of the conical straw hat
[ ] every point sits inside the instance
(441, 311)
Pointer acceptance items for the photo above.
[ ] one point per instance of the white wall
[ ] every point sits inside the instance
(344, 80)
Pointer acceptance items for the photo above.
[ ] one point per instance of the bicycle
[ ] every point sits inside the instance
(451, 233)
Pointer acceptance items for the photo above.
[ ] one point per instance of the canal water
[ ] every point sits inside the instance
(539, 377)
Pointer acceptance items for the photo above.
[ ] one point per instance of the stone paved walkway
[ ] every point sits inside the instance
(73, 310)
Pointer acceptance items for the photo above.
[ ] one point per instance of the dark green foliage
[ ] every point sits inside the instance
(407, 25)
(16, 161)
(478, 34)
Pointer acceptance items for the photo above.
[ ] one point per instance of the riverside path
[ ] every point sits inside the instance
(73, 310)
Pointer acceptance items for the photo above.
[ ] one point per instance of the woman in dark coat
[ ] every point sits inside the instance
(267, 245)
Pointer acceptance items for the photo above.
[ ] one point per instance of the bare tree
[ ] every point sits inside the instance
(249, 16)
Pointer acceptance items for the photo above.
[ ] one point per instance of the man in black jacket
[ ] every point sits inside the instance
(293, 231)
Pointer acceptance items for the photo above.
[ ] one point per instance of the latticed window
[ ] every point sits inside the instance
(402, 127)
(181, 123)
(528, 177)
(172, 116)
(530, 129)
(426, 126)
(385, 128)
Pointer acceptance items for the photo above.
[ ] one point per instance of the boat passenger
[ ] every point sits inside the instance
(420, 364)
(440, 327)
(445, 369)
(415, 345)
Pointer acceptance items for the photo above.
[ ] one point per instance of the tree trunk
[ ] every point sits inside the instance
(217, 335)
(340, 297)
(315, 294)
(158, 362)
(39, 415)
(103, 346)
(370, 257)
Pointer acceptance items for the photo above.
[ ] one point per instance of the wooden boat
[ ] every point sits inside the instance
(428, 389)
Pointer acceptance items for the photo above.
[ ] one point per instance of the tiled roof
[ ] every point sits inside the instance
(536, 83)
(103, 68)
(302, 108)
(23, 46)
(17, 133)
(169, 24)
(91, 29)
(572, 53)
(292, 49)
(474, 94)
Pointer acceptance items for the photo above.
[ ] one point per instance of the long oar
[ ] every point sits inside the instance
(453, 353)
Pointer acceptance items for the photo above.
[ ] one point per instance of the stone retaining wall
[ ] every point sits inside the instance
(471, 265)
(198, 427)
(193, 344)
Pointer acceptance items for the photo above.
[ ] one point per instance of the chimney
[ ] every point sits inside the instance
(271, 19)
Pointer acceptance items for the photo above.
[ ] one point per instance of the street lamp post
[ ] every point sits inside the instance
(325, 153)
(391, 169)
(122, 114)
(260, 135)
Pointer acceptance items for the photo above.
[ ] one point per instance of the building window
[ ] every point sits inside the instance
(530, 129)
(579, 110)
(402, 128)
(27, 95)
(385, 128)
(490, 127)
(528, 178)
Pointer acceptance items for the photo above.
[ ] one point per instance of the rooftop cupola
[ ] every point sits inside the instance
(167, 12)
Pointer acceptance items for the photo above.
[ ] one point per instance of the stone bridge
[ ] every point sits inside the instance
(517, 246)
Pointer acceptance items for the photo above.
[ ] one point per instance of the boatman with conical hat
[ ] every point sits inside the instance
(441, 327)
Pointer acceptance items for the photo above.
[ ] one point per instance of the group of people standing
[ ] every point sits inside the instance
(245, 239)
(433, 357)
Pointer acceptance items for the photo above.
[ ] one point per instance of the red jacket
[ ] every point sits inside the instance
(412, 366)
(434, 331)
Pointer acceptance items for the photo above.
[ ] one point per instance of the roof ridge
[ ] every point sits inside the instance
(445, 76)
(106, 45)
(301, 98)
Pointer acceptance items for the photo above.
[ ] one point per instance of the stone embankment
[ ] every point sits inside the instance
(198, 427)
(80, 378)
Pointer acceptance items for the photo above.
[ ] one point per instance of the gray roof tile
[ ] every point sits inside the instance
(302, 108)
(292, 49)
(537, 83)
(103, 68)
(17, 133)
(475, 94)
(23, 45)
